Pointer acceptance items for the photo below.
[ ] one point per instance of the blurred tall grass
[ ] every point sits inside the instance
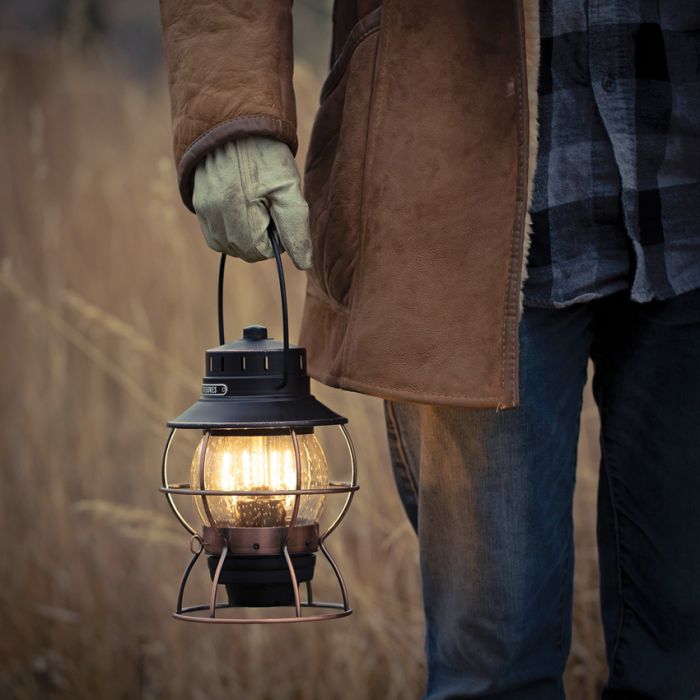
(106, 293)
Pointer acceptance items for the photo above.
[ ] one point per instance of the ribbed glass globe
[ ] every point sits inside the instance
(259, 463)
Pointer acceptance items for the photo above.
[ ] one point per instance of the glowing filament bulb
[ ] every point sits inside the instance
(240, 462)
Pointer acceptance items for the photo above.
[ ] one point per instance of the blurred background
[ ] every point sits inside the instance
(107, 297)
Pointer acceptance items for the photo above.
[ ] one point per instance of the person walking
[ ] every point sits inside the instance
(494, 192)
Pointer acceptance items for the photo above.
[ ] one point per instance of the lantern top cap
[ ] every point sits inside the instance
(254, 339)
(246, 386)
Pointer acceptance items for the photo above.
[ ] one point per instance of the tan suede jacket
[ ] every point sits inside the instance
(418, 177)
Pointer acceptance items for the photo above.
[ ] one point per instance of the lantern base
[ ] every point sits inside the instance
(245, 542)
(262, 581)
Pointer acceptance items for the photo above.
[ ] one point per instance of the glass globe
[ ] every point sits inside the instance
(259, 463)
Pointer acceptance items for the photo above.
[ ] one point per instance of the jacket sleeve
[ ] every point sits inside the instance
(230, 66)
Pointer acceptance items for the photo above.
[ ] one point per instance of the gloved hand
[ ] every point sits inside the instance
(236, 190)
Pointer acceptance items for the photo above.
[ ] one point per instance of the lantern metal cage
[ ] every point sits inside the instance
(258, 387)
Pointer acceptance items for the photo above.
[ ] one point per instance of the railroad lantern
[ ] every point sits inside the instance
(259, 478)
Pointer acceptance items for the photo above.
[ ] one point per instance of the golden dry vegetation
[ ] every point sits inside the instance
(107, 292)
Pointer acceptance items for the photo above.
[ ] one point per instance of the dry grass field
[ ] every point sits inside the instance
(107, 302)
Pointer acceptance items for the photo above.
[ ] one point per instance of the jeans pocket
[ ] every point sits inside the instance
(406, 480)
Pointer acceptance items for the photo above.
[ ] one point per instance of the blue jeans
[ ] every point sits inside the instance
(490, 495)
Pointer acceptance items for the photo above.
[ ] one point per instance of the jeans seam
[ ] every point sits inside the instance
(618, 536)
(569, 553)
(562, 596)
(400, 447)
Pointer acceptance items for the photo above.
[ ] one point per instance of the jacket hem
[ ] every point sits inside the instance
(321, 312)
(398, 393)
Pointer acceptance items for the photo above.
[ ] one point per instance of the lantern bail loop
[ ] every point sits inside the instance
(276, 247)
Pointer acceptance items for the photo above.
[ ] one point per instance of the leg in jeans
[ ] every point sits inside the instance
(647, 386)
(491, 494)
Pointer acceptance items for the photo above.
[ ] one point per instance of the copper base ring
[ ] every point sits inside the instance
(261, 541)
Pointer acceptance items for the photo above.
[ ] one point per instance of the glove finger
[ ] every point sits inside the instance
(214, 239)
(290, 212)
(253, 216)
(271, 181)
(258, 246)
(214, 219)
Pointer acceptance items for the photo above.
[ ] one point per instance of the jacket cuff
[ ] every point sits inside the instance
(238, 127)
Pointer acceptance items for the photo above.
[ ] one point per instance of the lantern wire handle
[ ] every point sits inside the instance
(220, 299)
(274, 239)
(277, 249)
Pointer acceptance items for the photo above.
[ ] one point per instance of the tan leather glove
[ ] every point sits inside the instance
(238, 187)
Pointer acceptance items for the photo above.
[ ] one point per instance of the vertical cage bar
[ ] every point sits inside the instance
(353, 483)
(183, 581)
(215, 581)
(338, 575)
(166, 484)
(292, 523)
(309, 593)
(202, 461)
(295, 583)
(297, 497)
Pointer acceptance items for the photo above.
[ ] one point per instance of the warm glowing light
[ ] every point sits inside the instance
(259, 463)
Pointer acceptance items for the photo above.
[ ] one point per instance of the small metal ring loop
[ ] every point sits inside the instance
(198, 539)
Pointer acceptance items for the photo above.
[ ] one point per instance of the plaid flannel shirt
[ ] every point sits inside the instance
(616, 196)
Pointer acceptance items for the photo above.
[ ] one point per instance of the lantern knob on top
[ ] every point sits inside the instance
(254, 333)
